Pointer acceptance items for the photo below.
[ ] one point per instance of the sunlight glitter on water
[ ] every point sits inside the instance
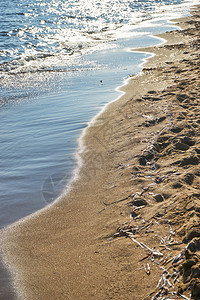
(36, 31)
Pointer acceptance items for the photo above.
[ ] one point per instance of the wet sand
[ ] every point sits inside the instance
(129, 227)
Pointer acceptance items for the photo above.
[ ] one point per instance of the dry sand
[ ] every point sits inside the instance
(139, 183)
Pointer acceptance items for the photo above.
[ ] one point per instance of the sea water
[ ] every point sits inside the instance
(60, 63)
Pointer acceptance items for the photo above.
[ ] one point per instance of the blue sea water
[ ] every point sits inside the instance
(60, 63)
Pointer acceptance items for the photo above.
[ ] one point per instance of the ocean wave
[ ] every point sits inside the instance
(52, 36)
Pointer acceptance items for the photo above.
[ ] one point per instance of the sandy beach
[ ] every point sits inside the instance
(129, 227)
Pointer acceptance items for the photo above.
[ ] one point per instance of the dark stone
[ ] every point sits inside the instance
(188, 141)
(139, 202)
(195, 289)
(181, 97)
(189, 161)
(194, 245)
(197, 150)
(142, 160)
(161, 119)
(189, 178)
(176, 129)
(177, 185)
(159, 198)
(155, 99)
(163, 138)
(152, 92)
(181, 146)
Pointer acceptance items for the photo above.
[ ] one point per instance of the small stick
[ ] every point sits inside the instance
(149, 225)
(168, 261)
(117, 201)
(145, 257)
(176, 278)
(137, 217)
(169, 238)
(101, 210)
(176, 258)
(167, 248)
(184, 297)
(169, 283)
(142, 245)
(157, 295)
(145, 226)
(174, 243)
(134, 240)
(165, 271)
(171, 230)
(144, 190)
(161, 239)
(146, 247)
(159, 282)
(164, 258)
(135, 208)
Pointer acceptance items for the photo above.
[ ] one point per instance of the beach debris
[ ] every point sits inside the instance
(145, 257)
(167, 261)
(153, 252)
(177, 258)
(169, 265)
(147, 269)
(169, 278)
(177, 263)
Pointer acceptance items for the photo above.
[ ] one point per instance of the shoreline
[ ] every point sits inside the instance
(95, 270)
